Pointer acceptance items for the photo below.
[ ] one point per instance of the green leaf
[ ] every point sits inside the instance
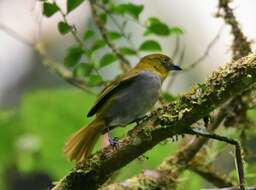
(155, 26)
(127, 51)
(150, 45)
(95, 80)
(176, 30)
(105, 1)
(128, 8)
(73, 56)
(49, 9)
(103, 17)
(72, 4)
(83, 69)
(88, 34)
(98, 44)
(64, 27)
(107, 59)
(113, 35)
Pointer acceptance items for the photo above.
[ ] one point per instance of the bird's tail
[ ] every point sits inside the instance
(81, 143)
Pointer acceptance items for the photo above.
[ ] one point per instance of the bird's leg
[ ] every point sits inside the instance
(112, 141)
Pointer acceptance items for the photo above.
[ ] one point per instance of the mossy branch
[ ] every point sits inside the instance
(172, 119)
(241, 45)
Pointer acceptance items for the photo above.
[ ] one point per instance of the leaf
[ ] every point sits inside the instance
(72, 4)
(103, 17)
(98, 44)
(128, 8)
(150, 45)
(114, 35)
(176, 30)
(107, 59)
(95, 80)
(127, 51)
(88, 34)
(64, 27)
(49, 9)
(73, 56)
(83, 69)
(155, 26)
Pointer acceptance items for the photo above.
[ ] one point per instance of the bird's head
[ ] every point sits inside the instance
(158, 63)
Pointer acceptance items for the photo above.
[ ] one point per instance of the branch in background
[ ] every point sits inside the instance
(73, 27)
(56, 68)
(125, 64)
(198, 60)
(207, 50)
(177, 47)
(119, 27)
(211, 175)
(169, 120)
(61, 71)
(241, 46)
(15, 35)
(238, 152)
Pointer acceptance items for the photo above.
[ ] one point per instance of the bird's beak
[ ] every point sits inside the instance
(175, 68)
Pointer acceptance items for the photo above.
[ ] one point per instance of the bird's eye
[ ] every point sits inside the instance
(165, 60)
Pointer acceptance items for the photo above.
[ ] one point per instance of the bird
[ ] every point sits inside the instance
(123, 101)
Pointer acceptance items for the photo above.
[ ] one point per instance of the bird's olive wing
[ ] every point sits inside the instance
(119, 82)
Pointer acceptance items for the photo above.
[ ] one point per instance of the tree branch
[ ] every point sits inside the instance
(211, 175)
(61, 71)
(241, 46)
(165, 122)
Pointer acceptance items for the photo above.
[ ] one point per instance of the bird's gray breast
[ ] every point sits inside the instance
(135, 100)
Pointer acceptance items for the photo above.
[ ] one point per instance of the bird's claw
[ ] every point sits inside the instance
(113, 141)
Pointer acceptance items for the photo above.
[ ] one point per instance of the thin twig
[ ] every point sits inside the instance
(207, 50)
(120, 28)
(177, 46)
(212, 175)
(15, 35)
(198, 60)
(125, 64)
(238, 153)
(61, 71)
(73, 27)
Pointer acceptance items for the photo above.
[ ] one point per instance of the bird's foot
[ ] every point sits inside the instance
(113, 141)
